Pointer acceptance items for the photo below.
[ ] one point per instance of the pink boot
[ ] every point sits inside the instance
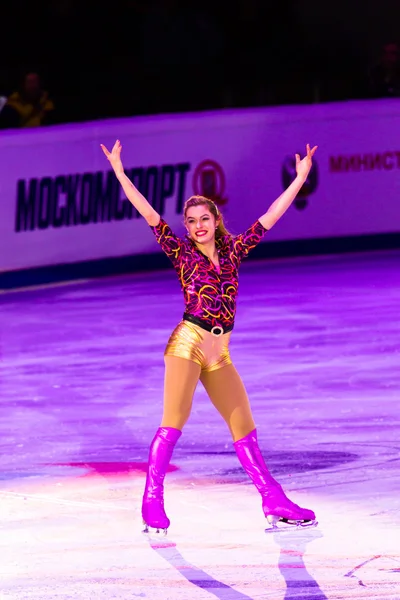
(161, 449)
(276, 505)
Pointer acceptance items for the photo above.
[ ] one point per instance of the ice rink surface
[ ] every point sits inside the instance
(317, 343)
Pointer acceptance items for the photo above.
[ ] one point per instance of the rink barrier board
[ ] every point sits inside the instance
(61, 205)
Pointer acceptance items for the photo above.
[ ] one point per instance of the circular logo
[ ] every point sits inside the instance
(209, 181)
(309, 186)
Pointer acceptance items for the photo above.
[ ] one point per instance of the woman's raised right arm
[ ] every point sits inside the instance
(132, 193)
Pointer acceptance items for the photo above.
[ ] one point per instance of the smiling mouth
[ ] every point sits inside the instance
(201, 233)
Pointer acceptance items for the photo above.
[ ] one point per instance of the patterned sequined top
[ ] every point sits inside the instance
(209, 295)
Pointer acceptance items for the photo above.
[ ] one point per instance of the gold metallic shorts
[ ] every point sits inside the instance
(194, 343)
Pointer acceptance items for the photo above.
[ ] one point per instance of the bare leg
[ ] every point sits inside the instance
(181, 377)
(228, 394)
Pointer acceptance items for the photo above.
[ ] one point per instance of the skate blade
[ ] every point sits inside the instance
(280, 524)
(160, 531)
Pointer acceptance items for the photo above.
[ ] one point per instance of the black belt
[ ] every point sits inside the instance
(216, 330)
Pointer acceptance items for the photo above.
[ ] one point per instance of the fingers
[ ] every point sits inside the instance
(310, 152)
(116, 149)
(297, 158)
(106, 152)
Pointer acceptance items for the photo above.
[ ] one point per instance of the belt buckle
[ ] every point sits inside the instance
(217, 331)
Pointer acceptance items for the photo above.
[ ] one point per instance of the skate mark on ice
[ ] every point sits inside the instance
(387, 511)
(369, 461)
(350, 574)
(168, 551)
(299, 583)
(284, 463)
(397, 569)
(42, 498)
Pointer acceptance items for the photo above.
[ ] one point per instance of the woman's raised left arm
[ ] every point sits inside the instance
(281, 204)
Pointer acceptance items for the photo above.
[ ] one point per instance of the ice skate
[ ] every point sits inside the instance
(280, 524)
(283, 514)
(153, 512)
(280, 512)
(154, 517)
(148, 531)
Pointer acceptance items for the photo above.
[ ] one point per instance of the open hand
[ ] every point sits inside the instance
(114, 157)
(303, 166)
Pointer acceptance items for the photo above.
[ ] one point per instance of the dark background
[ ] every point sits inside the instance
(130, 57)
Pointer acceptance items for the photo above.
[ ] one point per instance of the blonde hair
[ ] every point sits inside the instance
(221, 230)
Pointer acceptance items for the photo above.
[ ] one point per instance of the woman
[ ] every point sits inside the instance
(207, 263)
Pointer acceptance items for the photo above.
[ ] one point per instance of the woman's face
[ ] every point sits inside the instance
(201, 224)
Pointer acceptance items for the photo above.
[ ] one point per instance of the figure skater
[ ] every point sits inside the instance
(207, 262)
